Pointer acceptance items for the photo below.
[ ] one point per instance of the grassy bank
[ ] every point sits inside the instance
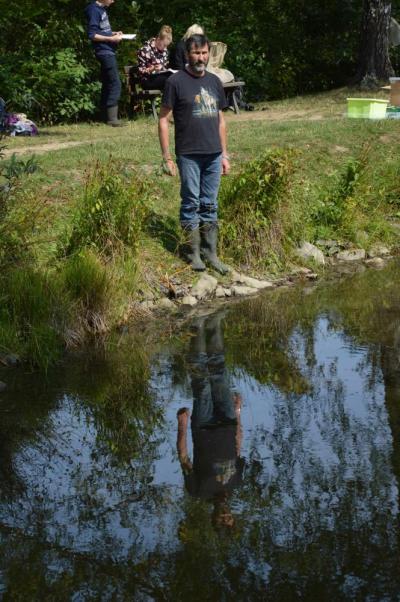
(95, 229)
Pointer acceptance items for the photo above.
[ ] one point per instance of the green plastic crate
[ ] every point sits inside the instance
(393, 112)
(366, 108)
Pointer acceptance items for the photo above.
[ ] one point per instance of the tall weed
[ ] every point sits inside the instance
(31, 309)
(356, 205)
(19, 212)
(88, 288)
(111, 211)
(253, 210)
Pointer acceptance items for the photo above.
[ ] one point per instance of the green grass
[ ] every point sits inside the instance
(325, 141)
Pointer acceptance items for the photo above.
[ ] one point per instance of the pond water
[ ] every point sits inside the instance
(248, 454)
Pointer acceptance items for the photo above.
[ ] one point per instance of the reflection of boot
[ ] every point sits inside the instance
(112, 117)
(209, 240)
(193, 252)
(198, 340)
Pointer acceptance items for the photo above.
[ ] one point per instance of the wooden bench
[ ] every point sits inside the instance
(137, 95)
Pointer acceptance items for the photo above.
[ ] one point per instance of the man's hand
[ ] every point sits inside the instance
(226, 166)
(169, 167)
(116, 37)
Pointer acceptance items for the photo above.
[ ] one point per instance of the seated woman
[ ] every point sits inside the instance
(153, 60)
(178, 59)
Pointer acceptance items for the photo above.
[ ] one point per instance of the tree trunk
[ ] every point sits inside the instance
(374, 62)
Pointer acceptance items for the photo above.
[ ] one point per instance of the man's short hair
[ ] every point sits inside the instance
(196, 41)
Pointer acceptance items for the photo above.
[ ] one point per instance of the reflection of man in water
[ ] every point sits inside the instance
(216, 431)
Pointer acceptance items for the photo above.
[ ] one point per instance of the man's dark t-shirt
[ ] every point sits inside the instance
(196, 102)
(216, 465)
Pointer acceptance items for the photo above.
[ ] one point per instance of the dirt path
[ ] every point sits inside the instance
(266, 115)
(39, 149)
(279, 115)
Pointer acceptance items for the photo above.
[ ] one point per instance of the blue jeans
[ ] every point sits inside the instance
(200, 179)
(110, 82)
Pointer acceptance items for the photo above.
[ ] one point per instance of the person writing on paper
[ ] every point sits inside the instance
(153, 60)
(105, 42)
(179, 57)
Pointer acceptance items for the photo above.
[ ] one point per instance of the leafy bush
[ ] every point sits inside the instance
(251, 233)
(111, 211)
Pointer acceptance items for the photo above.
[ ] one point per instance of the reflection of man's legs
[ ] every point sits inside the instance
(222, 398)
(202, 398)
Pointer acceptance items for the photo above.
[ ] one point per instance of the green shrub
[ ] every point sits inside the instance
(111, 211)
(87, 286)
(252, 232)
(31, 313)
(19, 212)
(334, 205)
(357, 203)
(86, 280)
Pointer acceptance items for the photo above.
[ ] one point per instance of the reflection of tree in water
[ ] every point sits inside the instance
(316, 513)
(82, 451)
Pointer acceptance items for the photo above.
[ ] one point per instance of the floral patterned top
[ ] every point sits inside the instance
(148, 56)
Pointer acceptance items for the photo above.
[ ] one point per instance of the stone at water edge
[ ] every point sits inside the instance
(189, 301)
(257, 284)
(300, 271)
(378, 251)
(204, 287)
(375, 262)
(166, 304)
(243, 291)
(351, 255)
(308, 252)
(220, 292)
(249, 281)
(147, 304)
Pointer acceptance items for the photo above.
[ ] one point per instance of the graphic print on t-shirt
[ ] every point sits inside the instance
(205, 104)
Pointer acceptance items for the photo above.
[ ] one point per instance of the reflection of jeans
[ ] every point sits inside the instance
(110, 82)
(212, 395)
(200, 178)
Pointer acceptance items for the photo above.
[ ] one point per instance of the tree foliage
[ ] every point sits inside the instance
(47, 67)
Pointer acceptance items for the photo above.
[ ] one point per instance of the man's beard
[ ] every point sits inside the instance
(197, 66)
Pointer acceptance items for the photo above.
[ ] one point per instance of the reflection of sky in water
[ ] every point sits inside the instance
(310, 446)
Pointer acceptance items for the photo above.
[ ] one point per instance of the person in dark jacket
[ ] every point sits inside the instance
(105, 42)
(179, 58)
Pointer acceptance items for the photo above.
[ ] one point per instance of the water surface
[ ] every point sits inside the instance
(254, 455)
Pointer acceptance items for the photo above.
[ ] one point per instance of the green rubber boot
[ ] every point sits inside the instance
(209, 241)
(112, 117)
(192, 240)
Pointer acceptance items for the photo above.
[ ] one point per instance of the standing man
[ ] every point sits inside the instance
(196, 99)
(105, 42)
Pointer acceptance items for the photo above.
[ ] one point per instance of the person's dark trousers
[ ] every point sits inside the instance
(110, 81)
(156, 81)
